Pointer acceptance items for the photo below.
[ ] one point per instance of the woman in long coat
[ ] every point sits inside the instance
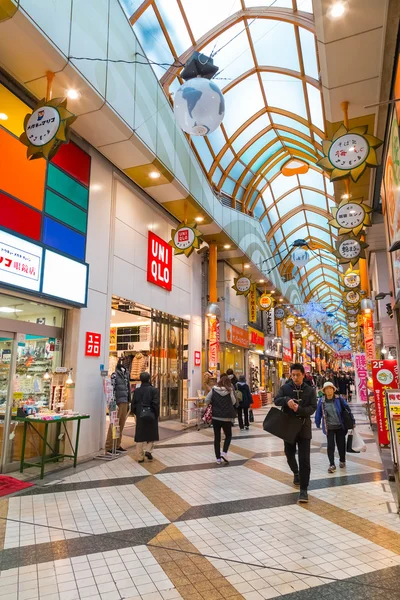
(146, 408)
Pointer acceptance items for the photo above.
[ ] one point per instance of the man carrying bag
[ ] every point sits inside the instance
(298, 401)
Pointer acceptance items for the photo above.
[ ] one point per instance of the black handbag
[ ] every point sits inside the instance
(147, 413)
(282, 425)
(251, 416)
(347, 418)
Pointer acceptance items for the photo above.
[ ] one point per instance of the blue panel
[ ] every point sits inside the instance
(64, 239)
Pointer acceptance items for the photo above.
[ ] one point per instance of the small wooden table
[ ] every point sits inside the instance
(56, 455)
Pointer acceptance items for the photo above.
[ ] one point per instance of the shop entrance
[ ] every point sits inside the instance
(145, 339)
(30, 351)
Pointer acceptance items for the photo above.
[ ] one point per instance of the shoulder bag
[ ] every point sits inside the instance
(346, 416)
(282, 425)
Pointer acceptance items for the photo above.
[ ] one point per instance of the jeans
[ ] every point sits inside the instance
(304, 466)
(227, 427)
(340, 437)
(243, 411)
(142, 447)
(123, 411)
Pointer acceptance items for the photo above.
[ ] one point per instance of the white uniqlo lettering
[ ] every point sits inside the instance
(154, 248)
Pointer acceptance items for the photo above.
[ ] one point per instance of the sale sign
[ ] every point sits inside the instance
(384, 377)
(159, 262)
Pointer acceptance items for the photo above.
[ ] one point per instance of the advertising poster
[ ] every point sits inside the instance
(361, 372)
(369, 338)
(384, 377)
(214, 338)
(393, 404)
(253, 304)
(113, 339)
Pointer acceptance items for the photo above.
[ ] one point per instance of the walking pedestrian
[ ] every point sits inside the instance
(232, 377)
(244, 403)
(223, 400)
(146, 408)
(299, 399)
(330, 412)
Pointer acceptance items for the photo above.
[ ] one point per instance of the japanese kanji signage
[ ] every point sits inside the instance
(349, 249)
(270, 322)
(46, 129)
(93, 344)
(351, 216)
(369, 338)
(266, 302)
(242, 285)
(256, 338)
(197, 358)
(185, 239)
(20, 262)
(360, 363)
(351, 278)
(253, 304)
(214, 339)
(159, 262)
(237, 335)
(393, 404)
(349, 152)
(384, 377)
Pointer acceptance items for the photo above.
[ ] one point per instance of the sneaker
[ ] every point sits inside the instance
(331, 469)
(224, 456)
(121, 449)
(342, 464)
(247, 427)
(109, 453)
(141, 461)
(296, 479)
(148, 455)
(242, 429)
(303, 496)
(219, 461)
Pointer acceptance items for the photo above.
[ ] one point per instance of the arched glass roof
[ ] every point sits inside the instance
(269, 74)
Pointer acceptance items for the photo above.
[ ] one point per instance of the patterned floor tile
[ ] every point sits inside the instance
(121, 467)
(190, 455)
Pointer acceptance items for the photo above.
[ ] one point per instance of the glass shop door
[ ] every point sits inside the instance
(8, 354)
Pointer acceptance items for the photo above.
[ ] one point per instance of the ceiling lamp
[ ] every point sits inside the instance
(199, 104)
(294, 166)
(337, 10)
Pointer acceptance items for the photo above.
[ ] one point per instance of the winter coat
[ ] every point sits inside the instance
(343, 385)
(120, 384)
(146, 430)
(340, 405)
(307, 400)
(247, 398)
(222, 402)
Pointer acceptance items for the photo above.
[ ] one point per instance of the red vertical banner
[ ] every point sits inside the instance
(369, 338)
(214, 340)
(385, 377)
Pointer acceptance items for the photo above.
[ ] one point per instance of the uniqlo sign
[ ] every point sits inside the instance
(93, 344)
(159, 262)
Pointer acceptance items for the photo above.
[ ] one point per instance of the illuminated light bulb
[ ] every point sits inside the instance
(337, 10)
(73, 94)
(154, 175)
(46, 375)
(199, 219)
(3, 117)
(69, 380)
(227, 246)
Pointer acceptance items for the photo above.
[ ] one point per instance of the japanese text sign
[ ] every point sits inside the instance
(253, 304)
(93, 344)
(384, 377)
(369, 338)
(159, 262)
(361, 376)
(393, 405)
(20, 262)
(197, 358)
(214, 339)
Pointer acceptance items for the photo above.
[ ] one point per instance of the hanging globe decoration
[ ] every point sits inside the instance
(199, 106)
(300, 257)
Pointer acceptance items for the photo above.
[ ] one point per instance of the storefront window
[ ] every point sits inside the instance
(232, 358)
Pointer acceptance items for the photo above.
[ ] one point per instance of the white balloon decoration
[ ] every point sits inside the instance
(300, 257)
(199, 106)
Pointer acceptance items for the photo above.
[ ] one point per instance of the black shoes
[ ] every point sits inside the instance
(296, 479)
(303, 496)
(121, 450)
(148, 455)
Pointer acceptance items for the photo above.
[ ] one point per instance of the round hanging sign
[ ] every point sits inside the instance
(311, 338)
(242, 285)
(298, 328)
(185, 239)
(279, 313)
(350, 215)
(353, 297)
(300, 257)
(352, 311)
(42, 125)
(265, 302)
(348, 151)
(290, 322)
(353, 325)
(351, 280)
(349, 249)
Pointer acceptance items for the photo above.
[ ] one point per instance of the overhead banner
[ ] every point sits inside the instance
(361, 372)
(384, 377)
(270, 322)
(214, 340)
(369, 338)
(253, 303)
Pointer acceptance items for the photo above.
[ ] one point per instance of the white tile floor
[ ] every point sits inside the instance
(290, 538)
(222, 485)
(193, 437)
(260, 444)
(130, 573)
(319, 466)
(191, 455)
(93, 511)
(373, 501)
(125, 466)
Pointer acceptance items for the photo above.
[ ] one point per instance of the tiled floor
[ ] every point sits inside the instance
(183, 527)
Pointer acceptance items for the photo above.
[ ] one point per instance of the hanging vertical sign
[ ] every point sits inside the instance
(253, 303)
(361, 373)
(159, 262)
(384, 377)
(270, 322)
(214, 338)
(369, 338)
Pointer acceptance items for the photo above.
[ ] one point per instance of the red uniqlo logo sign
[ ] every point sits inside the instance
(197, 358)
(159, 262)
(93, 343)
(183, 235)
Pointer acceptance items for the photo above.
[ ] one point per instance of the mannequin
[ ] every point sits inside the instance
(121, 391)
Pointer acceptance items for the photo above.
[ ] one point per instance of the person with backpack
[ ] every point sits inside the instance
(245, 399)
(146, 408)
(223, 400)
(336, 417)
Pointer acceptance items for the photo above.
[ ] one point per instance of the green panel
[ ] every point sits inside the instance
(68, 187)
(65, 212)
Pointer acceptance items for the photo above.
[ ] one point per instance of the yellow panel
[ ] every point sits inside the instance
(8, 8)
(15, 110)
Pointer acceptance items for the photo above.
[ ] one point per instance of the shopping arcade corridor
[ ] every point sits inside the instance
(181, 527)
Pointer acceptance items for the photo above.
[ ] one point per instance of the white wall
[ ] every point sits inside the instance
(118, 225)
(233, 307)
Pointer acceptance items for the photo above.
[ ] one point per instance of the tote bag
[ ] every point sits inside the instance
(282, 425)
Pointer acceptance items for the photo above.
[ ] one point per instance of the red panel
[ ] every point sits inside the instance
(74, 161)
(20, 218)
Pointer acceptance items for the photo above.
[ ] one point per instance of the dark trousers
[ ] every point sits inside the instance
(227, 427)
(243, 411)
(339, 436)
(304, 467)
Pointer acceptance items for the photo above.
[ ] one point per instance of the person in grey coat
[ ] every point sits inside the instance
(146, 408)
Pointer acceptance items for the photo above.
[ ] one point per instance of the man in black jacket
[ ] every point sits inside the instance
(299, 399)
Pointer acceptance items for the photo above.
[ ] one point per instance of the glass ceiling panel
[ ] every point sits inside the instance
(301, 234)
(284, 92)
(249, 154)
(289, 122)
(295, 221)
(236, 170)
(152, 40)
(307, 40)
(305, 5)
(296, 138)
(226, 159)
(241, 103)
(314, 199)
(278, 236)
(175, 24)
(281, 3)
(281, 184)
(289, 202)
(267, 197)
(234, 54)
(259, 209)
(204, 15)
(275, 44)
(228, 186)
(216, 139)
(266, 155)
(203, 150)
(273, 215)
(314, 99)
(251, 131)
(312, 179)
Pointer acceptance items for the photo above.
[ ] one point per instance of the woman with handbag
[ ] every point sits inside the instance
(336, 417)
(223, 400)
(146, 408)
